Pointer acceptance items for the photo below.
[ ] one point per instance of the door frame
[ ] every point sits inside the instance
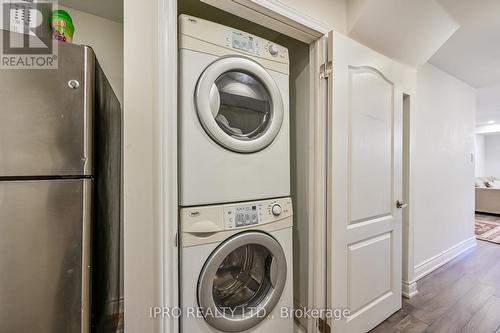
(150, 163)
(284, 19)
(409, 288)
(160, 258)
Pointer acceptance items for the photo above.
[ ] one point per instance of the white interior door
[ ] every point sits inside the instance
(365, 146)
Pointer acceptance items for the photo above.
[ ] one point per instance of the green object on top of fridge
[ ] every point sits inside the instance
(62, 26)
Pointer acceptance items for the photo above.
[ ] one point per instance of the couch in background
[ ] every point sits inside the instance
(488, 195)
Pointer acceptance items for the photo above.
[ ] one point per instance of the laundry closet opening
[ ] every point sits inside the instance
(300, 134)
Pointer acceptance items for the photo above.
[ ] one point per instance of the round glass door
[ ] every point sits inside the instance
(242, 281)
(239, 104)
(244, 109)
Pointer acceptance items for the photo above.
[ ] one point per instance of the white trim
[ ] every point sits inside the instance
(443, 257)
(262, 14)
(277, 16)
(317, 185)
(409, 233)
(147, 165)
(167, 116)
(409, 289)
(292, 16)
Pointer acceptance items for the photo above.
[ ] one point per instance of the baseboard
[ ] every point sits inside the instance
(409, 289)
(442, 258)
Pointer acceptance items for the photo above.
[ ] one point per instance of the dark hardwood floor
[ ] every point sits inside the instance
(462, 296)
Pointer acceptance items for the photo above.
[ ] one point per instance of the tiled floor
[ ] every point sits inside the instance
(461, 296)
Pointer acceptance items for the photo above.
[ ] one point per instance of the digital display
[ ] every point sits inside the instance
(244, 42)
(246, 216)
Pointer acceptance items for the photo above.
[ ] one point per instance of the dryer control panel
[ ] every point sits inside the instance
(246, 42)
(259, 212)
(203, 35)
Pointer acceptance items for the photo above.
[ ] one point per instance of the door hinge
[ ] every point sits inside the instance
(326, 70)
(323, 326)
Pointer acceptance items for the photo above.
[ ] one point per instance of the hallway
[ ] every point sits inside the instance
(461, 296)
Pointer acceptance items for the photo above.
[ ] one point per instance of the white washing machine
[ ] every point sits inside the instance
(234, 141)
(236, 267)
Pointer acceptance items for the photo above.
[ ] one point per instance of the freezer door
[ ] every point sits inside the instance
(44, 256)
(46, 125)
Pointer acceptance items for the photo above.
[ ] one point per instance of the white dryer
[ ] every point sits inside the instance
(236, 267)
(234, 141)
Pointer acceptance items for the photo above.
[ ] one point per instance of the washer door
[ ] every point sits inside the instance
(242, 281)
(239, 104)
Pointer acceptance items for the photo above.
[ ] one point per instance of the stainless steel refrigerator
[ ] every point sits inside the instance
(60, 212)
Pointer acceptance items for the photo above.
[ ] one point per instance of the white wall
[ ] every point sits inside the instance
(444, 171)
(106, 39)
(479, 170)
(488, 105)
(141, 165)
(150, 164)
(492, 155)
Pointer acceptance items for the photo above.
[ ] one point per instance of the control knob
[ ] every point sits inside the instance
(276, 210)
(273, 50)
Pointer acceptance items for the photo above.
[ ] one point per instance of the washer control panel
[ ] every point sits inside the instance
(244, 215)
(276, 209)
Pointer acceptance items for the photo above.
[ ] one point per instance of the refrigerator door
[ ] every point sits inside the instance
(46, 125)
(45, 255)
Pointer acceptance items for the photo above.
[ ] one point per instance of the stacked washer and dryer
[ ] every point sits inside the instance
(234, 181)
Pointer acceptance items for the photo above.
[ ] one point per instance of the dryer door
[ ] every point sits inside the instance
(242, 281)
(239, 104)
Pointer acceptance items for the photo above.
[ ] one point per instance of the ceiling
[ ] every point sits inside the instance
(472, 53)
(461, 37)
(407, 30)
(109, 9)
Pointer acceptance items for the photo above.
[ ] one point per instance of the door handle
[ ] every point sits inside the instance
(400, 204)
